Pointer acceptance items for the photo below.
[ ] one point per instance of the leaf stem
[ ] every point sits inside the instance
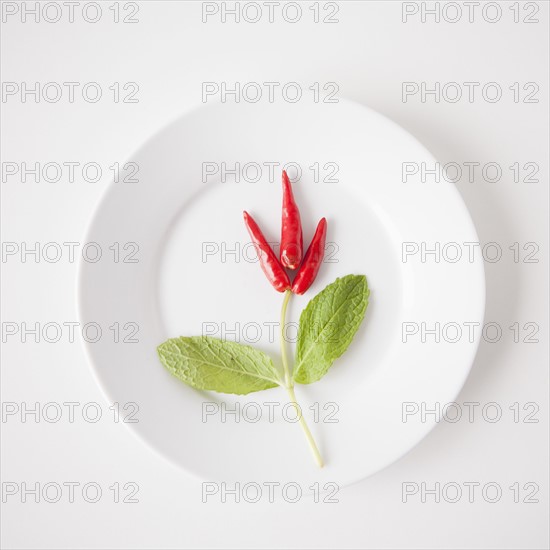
(312, 445)
(286, 299)
(289, 385)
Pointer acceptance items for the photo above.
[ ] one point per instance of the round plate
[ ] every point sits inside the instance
(195, 273)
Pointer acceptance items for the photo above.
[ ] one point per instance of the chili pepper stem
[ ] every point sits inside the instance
(289, 385)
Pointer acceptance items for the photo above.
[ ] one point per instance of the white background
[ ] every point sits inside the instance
(369, 53)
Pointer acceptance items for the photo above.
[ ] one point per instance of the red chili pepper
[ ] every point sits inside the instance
(312, 261)
(271, 266)
(291, 228)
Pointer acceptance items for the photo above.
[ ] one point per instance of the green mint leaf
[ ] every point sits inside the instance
(327, 326)
(211, 364)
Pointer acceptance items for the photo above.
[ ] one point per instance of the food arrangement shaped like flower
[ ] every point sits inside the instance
(327, 324)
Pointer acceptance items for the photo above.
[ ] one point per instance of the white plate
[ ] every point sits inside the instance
(175, 288)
